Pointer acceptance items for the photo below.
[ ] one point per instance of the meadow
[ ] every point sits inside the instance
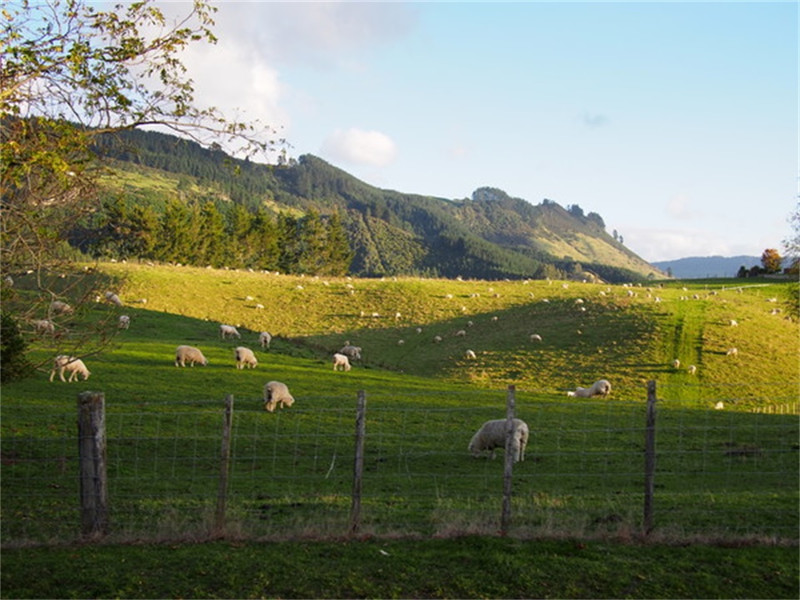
(726, 439)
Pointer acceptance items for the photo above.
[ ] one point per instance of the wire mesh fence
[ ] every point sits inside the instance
(719, 474)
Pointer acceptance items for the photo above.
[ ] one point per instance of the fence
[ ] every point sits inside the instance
(371, 465)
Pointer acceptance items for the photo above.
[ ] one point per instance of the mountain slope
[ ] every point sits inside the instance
(698, 267)
(490, 235)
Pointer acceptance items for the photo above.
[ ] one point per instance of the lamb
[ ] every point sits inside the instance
(276, 392)
(112, 298)
(245, 358)
(599, 388)
(43, 326)
(70, 364)
(492, 435)
(226, 331)
(57, 307)
(341, 362)
(190, 354)
(351, 352)
(264, 338)
(124, 322)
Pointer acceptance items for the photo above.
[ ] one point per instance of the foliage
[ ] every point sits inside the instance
(771, 260)
(13, 363)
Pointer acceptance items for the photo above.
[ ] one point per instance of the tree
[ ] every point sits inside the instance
(72, 73)
(771, 260)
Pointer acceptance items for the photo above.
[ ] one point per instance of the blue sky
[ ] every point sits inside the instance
(677, 122)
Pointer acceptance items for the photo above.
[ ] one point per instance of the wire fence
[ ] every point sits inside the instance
(290, 474)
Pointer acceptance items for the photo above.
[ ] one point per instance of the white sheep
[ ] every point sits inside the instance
(461, 333)
(437, 339)
(228, 331)
(264, 338)
(190, 354)
(676, 364)
(733, 323)
(351, 352)
(43, 326)
(112, 298)
(535, 337)
(600, 387)
(470, 355)
(732, 352)
(57, 307)
(692, 369)
(276, 392)
(245, 358)
(341, 362)
(70, 364)
(492, 435)
(124, 322)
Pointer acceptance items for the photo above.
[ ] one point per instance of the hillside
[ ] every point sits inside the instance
(488, 236)
(699, 267)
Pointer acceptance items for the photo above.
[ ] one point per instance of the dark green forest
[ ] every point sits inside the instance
(307, 216)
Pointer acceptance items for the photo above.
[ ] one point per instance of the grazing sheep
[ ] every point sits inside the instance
(719, 405)
(676, 364)
(692, 369)
(351, 352)
(341, 362)
(112, 298)
(276, 393)
(461, 333)
(228, 331)
(190, 354)
(437, 339)
(57, 307)
(733, 323)
(264, 338)
(245, 357)
(492, 435)
(535, 337)
(124, 322)
(470, 355)
(599, 388)
(732, 352)
(70, 364)
(44, 326)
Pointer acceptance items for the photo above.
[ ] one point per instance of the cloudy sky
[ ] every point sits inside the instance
(676, 122)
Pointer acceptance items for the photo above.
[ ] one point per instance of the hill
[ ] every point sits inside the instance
(700, 267)
(489, 235)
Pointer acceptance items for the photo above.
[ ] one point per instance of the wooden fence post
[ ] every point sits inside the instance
(224, 467)
(92, 458)
(505, 517)
(358, 466)
(649, 457)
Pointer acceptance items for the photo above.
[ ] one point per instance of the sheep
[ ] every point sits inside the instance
(264, 339)
(112, 298)
(70, 364)
(692, 369)
(535, 337)
(43, 326)
(190, 354)
(351, 352)
(124, 322)
(492, 435)
(341, 362)
(599, 388)
(470, 355)
(732, 352)
(437, 339)
(245, 358)
(676, 364)
(275, 393)
(226, 331)
(460, 333)
(733, 323)
(57, 307)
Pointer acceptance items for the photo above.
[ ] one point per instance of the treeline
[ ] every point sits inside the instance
(202, 234)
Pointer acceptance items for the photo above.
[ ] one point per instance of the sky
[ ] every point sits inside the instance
(676, 122)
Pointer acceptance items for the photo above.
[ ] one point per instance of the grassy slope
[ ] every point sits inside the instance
(627, 339)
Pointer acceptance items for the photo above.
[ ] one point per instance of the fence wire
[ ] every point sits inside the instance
(720, 474)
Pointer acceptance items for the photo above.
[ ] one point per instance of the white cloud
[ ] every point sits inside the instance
(679, 207)
(669, 244)
(359, 147)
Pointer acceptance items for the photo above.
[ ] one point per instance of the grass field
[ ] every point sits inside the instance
(727, 474)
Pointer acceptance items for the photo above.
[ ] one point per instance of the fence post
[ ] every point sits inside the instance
(505, 517)
(92, 458)
(224, 467)
(649, 457)
(358, 465)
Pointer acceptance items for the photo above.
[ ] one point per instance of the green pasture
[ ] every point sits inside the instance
(721, 474)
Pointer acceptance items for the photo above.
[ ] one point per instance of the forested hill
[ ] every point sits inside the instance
(489, 235)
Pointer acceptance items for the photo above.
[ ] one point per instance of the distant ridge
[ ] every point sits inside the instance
(699, 267)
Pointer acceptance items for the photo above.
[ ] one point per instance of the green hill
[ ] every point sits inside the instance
(488, 236)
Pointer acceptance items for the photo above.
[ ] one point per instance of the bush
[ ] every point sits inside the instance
(13, 363)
